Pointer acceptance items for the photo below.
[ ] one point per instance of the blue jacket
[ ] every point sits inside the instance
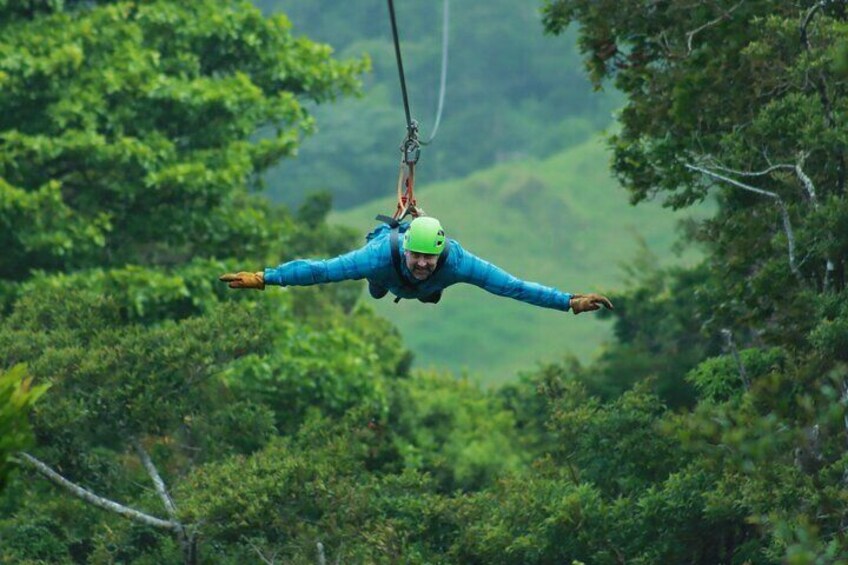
(374, 262)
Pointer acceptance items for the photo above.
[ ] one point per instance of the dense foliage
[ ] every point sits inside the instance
(745, 101)
(286, 426)
(140, 111)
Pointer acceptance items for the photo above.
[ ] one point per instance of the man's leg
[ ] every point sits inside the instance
(432, 298)
(376, 291)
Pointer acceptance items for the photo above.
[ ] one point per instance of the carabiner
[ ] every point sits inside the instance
(411, 148)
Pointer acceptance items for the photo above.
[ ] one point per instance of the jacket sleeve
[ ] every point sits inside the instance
(473, 270)
(357, 264)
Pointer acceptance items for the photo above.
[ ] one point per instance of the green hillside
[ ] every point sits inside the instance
(562, 221)
(511, 90)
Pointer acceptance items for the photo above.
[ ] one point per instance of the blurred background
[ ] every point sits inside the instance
(518, 172)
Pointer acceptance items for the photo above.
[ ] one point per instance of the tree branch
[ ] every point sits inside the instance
(790, 239)
(807, 182)
(185, 535)
(158, 483)
(764, 172)
(821, 87)
(322, 560)
(809, 188)
(810, 13)
(266, 560)
(691, 35)
(96, 500)
(784, 212)
(729, 180)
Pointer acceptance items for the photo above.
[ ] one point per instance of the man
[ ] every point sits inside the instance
(415, 260)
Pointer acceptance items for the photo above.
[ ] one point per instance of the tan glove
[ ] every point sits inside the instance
(580, 303)
(244, 280)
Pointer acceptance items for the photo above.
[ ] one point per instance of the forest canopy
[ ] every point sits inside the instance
(151, 416)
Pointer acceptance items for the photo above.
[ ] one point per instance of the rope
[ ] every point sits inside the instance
(406, 203)
(444, 78)
(411, 125)
(410, 147)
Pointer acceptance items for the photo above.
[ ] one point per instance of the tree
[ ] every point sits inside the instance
(140, 111)
(126, 165)
(746, 100)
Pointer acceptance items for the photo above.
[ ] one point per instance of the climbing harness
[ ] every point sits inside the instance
(410, 150)
(411, 146)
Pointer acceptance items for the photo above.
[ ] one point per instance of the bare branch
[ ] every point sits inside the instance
(725, 16)
(829, 271)
(186, 536)
(784, 212)
(663, 40)
(796, 168)
(790, 238)
(266, 560)
(729, 180)
(167, 501)
(805, 180)
(810, 13)
(764, 172)
(96, 500)
(322, 559)
(809, 187)
(821, 86)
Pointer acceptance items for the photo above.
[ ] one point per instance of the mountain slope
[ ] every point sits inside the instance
(561, 221)
(510, 89)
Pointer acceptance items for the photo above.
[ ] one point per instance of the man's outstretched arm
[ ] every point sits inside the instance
(473, 270)
(357, 264)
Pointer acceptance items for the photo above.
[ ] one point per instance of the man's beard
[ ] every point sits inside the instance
(422, 273)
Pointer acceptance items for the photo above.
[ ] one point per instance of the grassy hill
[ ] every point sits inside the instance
(562, 221)
(511, 89)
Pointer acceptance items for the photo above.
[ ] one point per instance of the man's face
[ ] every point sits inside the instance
(421, 264)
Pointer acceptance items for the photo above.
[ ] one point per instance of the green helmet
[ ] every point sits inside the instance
(425, 235)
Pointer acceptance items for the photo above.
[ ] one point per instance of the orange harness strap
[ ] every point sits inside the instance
(406, 203)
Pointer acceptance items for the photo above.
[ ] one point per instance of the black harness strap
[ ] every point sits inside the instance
(393, 242)
(387, 220)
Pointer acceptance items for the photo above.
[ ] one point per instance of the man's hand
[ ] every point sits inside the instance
(580, 303)
(244, 280)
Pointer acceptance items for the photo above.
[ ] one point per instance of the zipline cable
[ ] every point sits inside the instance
(411, 146)
(444, 78)
(411, 125)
